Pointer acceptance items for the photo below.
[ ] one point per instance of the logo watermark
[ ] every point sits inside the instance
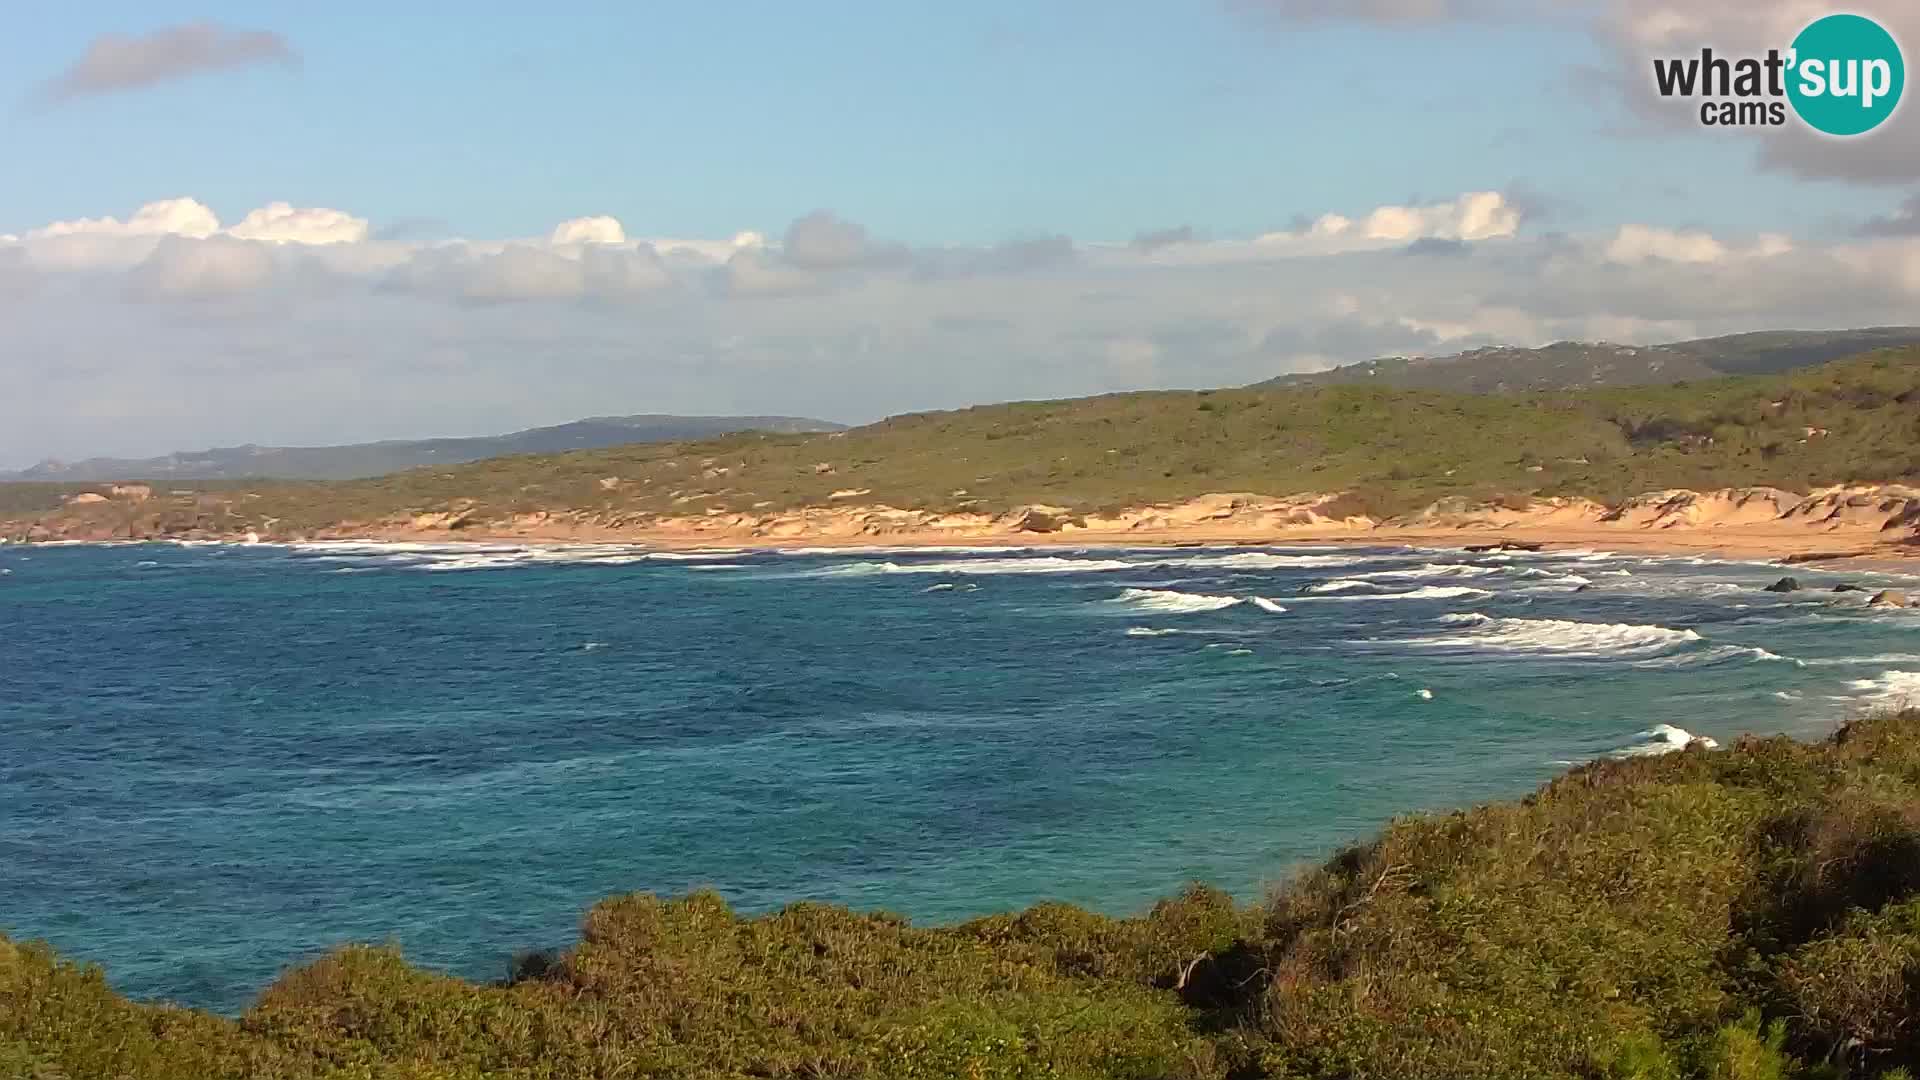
(1842, 75)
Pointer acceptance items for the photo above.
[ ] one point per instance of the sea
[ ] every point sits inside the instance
(218, 761)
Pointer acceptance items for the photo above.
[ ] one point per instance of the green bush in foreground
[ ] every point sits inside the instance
(1748, 914)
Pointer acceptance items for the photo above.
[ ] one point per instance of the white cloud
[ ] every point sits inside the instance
(589, 230)
(175, 217)
(1639, 243)
(108, 243)
(1474, 216)
(280, 223)
(184, 267)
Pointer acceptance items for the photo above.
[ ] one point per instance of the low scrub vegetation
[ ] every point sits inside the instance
(1746, 914)
(1392, 450)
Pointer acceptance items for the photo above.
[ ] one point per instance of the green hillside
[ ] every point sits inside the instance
(1748, 914)
(1395, 450)
(1566, 365)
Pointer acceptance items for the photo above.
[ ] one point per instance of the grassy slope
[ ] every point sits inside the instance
(1396, 449)
(1569, 364)
(1745, 914)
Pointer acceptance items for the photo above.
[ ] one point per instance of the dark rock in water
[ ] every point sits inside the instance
(1785, 584)
(1582, 588)
(1501, 545)
(1888, 598)
(1848, 587)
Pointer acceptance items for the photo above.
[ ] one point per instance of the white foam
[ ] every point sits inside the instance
(1149, 631)
(490, 556)
(1270, 606)
(1261, 560)
(1049, 564)
(1424, 694)
(1664, 739)
(903, 549)
(1432, 570)
(1173, 603)
(1464, 618)
(1424, 592)
(1880, 658)
(1341, 585)
(1562, 637)
(1891, 689)
(1721, 654)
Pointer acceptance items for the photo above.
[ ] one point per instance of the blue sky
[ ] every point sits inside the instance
(975, 174)
(930, 123)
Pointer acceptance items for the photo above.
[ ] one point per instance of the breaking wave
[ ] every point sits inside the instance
(1168, 602)
(1564, 637)
(1663, 739)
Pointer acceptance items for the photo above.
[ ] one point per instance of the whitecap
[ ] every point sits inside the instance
(1341, 585)
(1261, 560)
(1149, 631)
(1891, 689)
(1170, 602)
(1424, 592)
(1048, 564)
(1269, 606)
(1432, 570)
(1664, 739)
(1563, 637)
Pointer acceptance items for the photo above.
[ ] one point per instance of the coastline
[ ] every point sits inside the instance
(1852, 524)
(1786, 547)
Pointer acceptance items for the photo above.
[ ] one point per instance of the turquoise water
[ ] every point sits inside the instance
(217, 761)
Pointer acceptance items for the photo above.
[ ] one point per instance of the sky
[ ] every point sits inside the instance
(291, 225)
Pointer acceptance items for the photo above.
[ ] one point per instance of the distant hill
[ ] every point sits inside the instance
(379, 458)
(1390, 450)
(1573, 365)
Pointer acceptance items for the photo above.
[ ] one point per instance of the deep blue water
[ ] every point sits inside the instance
(217, 761)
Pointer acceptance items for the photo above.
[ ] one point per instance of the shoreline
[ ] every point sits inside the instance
(1851, 524)
(1769, 546)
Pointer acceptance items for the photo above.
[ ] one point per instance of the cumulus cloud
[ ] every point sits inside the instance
(121, 62)
(280, 223)
(177, 217)
(739, 324)
(590, 230)
(529, 272)
(1477, 215)
(199, 268)
(1639, 243)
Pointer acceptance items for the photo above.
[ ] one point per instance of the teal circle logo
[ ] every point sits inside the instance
(1846, 75)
